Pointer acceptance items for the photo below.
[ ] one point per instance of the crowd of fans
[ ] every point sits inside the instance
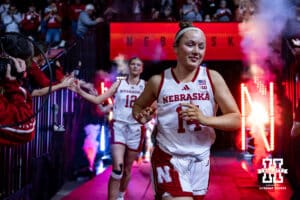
(55, 21)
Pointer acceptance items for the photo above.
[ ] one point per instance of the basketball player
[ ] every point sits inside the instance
(187, 97)
(127, 134)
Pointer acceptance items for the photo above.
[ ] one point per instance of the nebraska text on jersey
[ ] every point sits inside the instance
(131, 91)
(186, 97)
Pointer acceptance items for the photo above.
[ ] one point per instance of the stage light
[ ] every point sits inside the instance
(102, 138)
(258, 116)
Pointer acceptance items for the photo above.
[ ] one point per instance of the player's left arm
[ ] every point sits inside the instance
(231, 117)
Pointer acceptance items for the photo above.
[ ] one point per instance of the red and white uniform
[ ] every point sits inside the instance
(182, 156)
(125, 129)
(174, 134)
(125, 97)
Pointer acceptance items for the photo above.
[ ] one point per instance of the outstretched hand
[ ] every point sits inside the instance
(67, 81)
(75, 86)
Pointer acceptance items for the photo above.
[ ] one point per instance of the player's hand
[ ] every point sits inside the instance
(145, 115)
(191, 112)
(75, 86)
(67, 81)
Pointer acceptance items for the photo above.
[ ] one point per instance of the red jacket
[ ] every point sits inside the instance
(40, 79)
(15, 106)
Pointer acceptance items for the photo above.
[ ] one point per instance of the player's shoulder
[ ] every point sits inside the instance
(215, 75)
(155, 79)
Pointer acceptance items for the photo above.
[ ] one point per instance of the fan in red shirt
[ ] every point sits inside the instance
(38, 81)
(37, 76)
(17, 124)
(31, 22)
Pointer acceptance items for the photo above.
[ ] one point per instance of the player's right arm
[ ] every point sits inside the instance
(96, 99)
(143, 108)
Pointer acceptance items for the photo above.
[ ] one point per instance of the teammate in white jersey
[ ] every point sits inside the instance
(187, 98)
(127, 134)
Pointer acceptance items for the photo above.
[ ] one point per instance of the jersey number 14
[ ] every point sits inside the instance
(181, 129)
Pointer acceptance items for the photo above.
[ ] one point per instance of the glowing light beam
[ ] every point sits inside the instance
(258, 117)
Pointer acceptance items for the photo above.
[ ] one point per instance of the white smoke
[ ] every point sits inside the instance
(261, 44)
(262, 33)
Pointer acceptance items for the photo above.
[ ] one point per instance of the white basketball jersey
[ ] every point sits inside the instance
(176, 135)
(124, 99)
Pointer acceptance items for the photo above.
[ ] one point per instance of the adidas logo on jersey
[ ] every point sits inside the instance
(185, 87)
